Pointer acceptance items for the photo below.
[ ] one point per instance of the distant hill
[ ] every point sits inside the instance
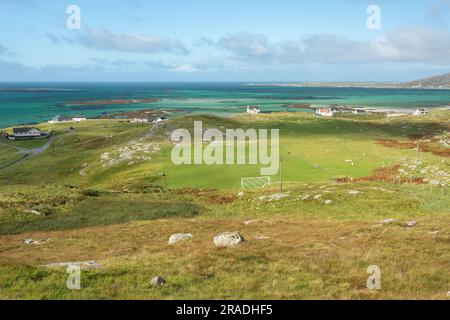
(442, 81)
(436, 82)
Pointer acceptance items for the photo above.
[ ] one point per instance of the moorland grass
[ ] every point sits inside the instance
(123, 215)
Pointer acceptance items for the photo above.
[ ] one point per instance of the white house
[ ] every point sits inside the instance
(60, 119)
(159, 120)
(421, 112)
(325, 112)
(26, 132)
(359, 111)
(253, 109)
(66, 119)
(79, 118)
(140, 120)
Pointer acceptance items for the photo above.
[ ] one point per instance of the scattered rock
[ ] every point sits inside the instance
(275, 197)
(328, 201)
(410, 224)
(228, 239)
(180, 237)
(435, 182)
(105, 156)
(388, 221)
(448, 293)
(35, 212)
(250, 222)
(32, 242)
(306, 197)
(262, 238)
(434, 233)
(87, 265)
(354, 192)
(157, 281)
(240, 194)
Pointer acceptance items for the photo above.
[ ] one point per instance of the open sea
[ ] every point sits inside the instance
(29, 103)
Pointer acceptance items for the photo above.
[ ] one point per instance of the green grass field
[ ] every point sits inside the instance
(108, 191)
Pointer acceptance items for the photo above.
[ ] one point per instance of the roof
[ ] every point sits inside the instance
(24, 129)
(62, 118)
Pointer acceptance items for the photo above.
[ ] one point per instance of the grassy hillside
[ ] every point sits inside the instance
(107, 191)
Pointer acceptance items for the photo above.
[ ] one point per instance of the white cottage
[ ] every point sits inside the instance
(253, 109)
(359, 111)
(79, 118)
(60, 119)
(324, 112)
(27, 132)
(421, 112)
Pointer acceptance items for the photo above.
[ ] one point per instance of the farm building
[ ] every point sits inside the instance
(26, 133)
(325, 112)
(66, 119)
(79, 118)
(148, 119)
(143, 119)
(60, 119)
(421, 112)
(253, 109)
(359, 111)
(159, 120)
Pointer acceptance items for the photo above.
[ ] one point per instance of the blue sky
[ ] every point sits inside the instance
(223, 40)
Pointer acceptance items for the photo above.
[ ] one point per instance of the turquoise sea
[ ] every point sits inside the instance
(27, 103)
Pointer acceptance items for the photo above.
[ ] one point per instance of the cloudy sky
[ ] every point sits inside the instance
(223, 40)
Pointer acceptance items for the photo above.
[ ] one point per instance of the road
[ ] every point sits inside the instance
(27, 153)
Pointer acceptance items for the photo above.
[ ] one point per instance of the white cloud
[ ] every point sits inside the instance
(184, 68)
(415, 44)
(102, 39)
(256, 48)
(331, 48)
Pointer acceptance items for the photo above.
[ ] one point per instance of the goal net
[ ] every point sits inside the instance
(256, 182)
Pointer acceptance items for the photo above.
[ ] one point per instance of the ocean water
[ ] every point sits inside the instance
(28, 103)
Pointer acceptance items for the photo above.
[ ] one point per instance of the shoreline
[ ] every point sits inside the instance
(361, 85)
(128, 115)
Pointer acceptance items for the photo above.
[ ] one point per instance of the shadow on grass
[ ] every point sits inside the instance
(95, 212)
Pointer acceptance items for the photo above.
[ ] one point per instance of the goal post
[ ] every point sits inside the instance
(255, 182)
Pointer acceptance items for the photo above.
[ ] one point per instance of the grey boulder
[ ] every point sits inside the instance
(228, 239)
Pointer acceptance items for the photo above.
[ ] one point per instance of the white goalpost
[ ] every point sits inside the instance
(255, 182)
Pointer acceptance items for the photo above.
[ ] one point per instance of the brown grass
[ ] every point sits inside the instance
(209, 195)
(431, 147)
(390, 174)
(303, 258)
